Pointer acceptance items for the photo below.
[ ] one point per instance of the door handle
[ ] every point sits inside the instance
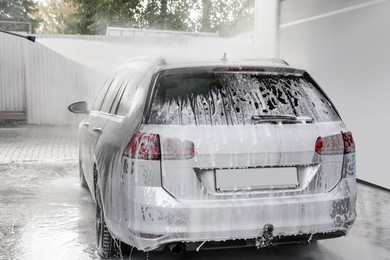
(97, 130)
(86, 124)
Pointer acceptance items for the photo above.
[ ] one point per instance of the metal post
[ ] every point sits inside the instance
(266, 28)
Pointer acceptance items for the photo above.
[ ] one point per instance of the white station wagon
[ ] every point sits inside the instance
(194, 156)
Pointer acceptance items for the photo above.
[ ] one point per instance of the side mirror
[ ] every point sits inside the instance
(79, 107)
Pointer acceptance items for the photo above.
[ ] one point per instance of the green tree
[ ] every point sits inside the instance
(164, 14)
(57, 16)
(206, 15)
(95, 15)
(226, 17)
(229, 17)
(17, 11)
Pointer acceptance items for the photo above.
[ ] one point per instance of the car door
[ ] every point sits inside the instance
(95, 123)
(86, 140)
(112, 141)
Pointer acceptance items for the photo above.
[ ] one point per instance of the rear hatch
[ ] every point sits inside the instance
(238, 131)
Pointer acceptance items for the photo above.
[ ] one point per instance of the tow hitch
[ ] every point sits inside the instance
(266, 239)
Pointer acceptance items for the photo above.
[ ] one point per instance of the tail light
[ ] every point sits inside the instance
(144, 146)
(335, 144)
(147, 147)
(349, 144)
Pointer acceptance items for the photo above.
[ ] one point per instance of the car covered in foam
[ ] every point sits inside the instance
(247, 153)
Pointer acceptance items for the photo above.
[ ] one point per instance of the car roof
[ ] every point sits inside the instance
(234, 66)
(226, 62)
(245, 65)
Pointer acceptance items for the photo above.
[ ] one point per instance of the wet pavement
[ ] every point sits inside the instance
(45, 214)
(28, 143)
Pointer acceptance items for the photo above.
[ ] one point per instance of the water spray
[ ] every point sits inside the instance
(28, 37)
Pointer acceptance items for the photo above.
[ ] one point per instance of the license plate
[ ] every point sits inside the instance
(256, 179)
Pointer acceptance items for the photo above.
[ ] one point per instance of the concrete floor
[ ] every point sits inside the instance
(45, 214)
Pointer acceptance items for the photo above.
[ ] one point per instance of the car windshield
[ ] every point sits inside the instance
(226, 98)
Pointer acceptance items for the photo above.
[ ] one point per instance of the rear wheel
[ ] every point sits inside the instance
(107, 246)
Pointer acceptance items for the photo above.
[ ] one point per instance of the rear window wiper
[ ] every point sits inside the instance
(281, 119)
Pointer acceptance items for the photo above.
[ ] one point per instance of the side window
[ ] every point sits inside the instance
(127, 95)
(100, 97)
(114, 107)
(115, 86)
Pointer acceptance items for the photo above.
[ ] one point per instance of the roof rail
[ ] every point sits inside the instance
(273, 60)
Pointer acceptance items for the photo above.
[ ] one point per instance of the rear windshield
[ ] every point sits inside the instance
(234, 98)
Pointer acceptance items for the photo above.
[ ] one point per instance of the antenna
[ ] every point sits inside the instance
(28, 37)
(224, 59)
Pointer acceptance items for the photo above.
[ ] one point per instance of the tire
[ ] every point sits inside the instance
(83, 182)
(107, 246)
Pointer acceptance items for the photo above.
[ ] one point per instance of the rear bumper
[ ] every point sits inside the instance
(158, 218)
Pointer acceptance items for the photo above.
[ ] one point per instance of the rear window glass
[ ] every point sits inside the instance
(233, 98)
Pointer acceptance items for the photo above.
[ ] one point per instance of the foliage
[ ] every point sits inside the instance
(223, 16)
(231, 16)
(227, 17)
(58, 16)
(96, 15)
(17, 11)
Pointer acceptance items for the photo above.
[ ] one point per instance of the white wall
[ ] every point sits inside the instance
(347, 51)
(12, 73)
